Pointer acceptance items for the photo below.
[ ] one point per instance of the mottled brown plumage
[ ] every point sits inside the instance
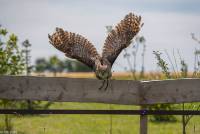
(120, 37)
(77, 47)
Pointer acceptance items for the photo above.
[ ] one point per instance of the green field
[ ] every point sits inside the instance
(94, 124)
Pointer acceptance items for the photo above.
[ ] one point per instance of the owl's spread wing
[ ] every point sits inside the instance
(120, 37)
(74, 46)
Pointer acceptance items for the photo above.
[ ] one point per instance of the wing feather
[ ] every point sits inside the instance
(74, 46)
(120, 37)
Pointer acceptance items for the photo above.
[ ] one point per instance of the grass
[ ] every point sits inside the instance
(94, 124)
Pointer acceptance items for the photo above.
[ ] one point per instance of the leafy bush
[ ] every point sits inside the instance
(11, 63)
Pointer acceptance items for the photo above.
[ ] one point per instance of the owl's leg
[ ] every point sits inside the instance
(107, 82)
(102, 85)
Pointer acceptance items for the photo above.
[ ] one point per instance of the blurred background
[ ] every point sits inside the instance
(167, 26)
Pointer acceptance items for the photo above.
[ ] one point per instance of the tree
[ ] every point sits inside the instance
(40, 65)
(11, 63)
(54, 64)
(11, 59)
(78, 66)
(27, 51)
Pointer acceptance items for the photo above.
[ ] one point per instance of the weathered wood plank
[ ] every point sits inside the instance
(68, 90)
(170, 91)
(87, 90)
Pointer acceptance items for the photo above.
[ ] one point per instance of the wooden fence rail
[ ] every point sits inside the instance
(87, 90)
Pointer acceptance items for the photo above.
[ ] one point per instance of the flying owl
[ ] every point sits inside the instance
(77, 47)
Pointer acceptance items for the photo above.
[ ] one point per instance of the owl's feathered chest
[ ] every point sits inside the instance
(102, 69)
(103, 75)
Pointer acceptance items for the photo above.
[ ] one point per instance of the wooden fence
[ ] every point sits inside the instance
(126, 92)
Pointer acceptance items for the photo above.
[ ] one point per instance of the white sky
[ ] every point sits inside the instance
(167, 24)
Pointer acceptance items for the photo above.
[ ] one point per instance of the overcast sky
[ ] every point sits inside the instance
(167, 24)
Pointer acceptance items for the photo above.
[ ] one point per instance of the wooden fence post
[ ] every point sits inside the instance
(143, 121)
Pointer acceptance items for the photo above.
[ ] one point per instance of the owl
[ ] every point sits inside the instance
(77, 47)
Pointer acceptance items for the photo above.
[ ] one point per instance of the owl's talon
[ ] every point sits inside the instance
(102, 85)
(106, 85)
(100, 88)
